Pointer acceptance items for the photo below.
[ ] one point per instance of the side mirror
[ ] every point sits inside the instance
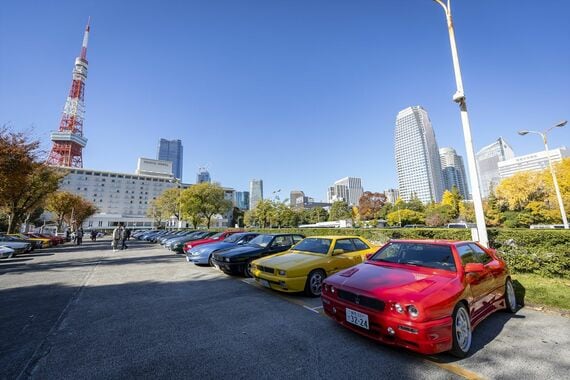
(474, 268)
(338, 251)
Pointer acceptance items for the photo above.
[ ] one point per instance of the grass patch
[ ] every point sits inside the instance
(542, 291)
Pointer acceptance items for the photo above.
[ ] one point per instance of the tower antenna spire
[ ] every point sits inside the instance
(68, 141)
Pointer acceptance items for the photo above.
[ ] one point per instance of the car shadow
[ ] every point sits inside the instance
(16, 260)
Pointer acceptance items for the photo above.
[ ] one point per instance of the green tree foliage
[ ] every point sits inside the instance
(207, 199)
(438, 215)
(170, 202)
(340, 210)
(156, 212)
(318, 214)
(404, 217)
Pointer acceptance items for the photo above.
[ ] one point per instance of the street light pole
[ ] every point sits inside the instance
(459, 97)
(552, 171)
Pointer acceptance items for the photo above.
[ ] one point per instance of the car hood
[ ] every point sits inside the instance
(202, 241)
(242, 250)
(292, 260)
(214, 247)
(392, 283)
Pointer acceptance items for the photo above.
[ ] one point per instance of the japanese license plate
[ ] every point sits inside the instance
(357, 318)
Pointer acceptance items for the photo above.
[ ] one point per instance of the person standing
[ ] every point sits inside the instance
(124, 238)
(93, 235)
(79, 236)
(117, 237)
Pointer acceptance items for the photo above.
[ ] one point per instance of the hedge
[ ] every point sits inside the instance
(542, 252)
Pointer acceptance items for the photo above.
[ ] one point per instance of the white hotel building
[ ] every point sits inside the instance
(531, 162)
(123, 197)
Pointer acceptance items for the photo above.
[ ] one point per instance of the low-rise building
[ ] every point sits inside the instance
(531, 162)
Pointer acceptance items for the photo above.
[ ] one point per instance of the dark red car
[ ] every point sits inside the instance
(424, 295)
(214, 238)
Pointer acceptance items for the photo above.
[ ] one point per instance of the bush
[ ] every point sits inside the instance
(543, 252)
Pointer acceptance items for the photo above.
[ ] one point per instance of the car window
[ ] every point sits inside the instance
(467, 254)
(417, 254)
(282, 241)
(345, 244)
(297, 238)
(359, 244)
(482, 256)
(314, 245)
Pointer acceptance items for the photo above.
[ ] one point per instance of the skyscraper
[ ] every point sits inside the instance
(453, 171)
(203, 176)
(171, 150)
(348, 189)
(296, 198)
(392, 195)
(255, 192)
(417, 156)
(242, 200)
(488, 159)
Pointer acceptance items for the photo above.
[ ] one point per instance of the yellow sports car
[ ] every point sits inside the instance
(305, 265)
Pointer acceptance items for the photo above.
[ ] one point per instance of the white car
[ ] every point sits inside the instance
(5, 252)
(16, 246)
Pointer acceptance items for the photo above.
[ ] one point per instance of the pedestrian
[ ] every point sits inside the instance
(93, 235)
(124, 239)
(73, 236)
(117, 237)
(79, 236)
(128, 232)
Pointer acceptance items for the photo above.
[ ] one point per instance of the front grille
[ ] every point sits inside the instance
(266, 269)
(364, 301)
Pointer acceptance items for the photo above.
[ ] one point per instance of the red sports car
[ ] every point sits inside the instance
(214, 238)
(424, 295)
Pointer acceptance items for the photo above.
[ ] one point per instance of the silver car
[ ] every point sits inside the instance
(5, 252)
(202, 254)
(17, 246)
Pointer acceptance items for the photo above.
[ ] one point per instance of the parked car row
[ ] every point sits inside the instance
(423, 295)
(17, 243)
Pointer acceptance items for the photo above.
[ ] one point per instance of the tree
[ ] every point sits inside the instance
(521, 188)
(340, 210)
(413, 204)
(206, 198)
(169, 202)
(60, 203)
(438, 215)
(156, 213)
(263, 212)
(82, 210)
(453, 200)
(404, 217)
(318, 214)
(370, 205)
(25, 182)
(190, 207)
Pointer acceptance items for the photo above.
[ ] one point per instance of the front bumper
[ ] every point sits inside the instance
(281, 283)
(427, 338)
(229, 266)
(198, 259)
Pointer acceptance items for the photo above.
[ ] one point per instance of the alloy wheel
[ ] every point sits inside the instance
(463, 329)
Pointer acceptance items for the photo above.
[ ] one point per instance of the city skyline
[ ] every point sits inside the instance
(345, 81)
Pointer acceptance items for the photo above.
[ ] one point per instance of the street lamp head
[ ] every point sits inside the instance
(523, 132)
(561, 124)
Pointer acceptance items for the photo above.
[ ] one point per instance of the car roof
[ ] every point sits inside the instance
(430, 241)
(336, 237)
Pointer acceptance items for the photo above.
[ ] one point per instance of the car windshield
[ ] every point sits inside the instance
(419, 254)
(234, 238)
(216, 236)
(314, 245)
(261, 240)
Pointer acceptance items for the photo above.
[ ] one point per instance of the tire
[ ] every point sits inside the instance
(510, 297)
(247, 269)
(210, 262)
(462, 334)
(314, 283)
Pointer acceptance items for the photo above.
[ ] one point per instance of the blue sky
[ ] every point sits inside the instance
(298, 93)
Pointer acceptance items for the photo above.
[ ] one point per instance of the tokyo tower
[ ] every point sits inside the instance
(68, 141)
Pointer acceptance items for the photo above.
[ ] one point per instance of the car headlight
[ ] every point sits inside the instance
(282, 273)
(398, 308)
(227, 259)
(188, 246)
(413, 311)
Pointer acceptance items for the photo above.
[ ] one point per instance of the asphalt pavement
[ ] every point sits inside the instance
(85, 312)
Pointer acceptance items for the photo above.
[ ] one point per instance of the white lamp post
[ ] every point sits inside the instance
(459, 97)
(552, 171)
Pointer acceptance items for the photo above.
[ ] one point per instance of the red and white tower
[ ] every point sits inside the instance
(68, 141)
